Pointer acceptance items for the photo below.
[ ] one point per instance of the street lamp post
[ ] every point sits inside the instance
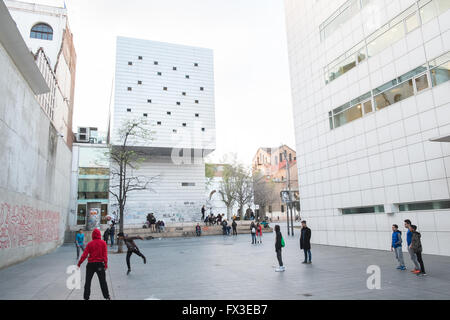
(289, 204)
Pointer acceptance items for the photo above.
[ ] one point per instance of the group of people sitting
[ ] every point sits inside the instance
(212, 220)
(155, 226)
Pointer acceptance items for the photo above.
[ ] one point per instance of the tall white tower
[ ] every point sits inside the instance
(171, 87)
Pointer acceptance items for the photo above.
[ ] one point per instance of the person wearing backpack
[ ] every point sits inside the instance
(305, 242)
(396, 246)
(253, 231)
(279, 244)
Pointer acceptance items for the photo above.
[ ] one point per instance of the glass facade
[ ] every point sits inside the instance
(371, 209)
(433, 205)
(433, 73)
(410, 19)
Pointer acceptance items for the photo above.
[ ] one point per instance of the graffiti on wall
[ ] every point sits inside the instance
(22, 226)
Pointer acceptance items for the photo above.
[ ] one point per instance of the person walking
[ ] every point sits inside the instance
(396, 246)
(253, 231)
(97, 254)
(259, 232)
(106, 235)
(416, 247)
(132, 248)
(413, 256)
(305, 242)
(279, 244)
(79, 242)
(112, 230)
(234, 226)
(203, 213)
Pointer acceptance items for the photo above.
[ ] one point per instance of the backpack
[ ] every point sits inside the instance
(253, 230)
(283, 244)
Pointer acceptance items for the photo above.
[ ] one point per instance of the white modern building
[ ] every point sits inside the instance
(171, 87)
(370, 91)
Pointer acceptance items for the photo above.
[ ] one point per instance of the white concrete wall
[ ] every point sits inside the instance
(168, 199)
(383, 158)
(26, 15)
(168, 56)
(34, 175)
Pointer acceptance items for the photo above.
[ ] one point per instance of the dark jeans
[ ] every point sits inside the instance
(307, 253)
(99, 269)
(280, 261)
(130, 252)
(112, 238)
(234, 231)
(253, 238)
(419, 258)
(78, 250)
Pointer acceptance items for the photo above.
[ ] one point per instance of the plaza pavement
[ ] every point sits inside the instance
(230, 268)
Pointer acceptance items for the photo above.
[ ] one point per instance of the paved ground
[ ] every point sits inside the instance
(219, 267)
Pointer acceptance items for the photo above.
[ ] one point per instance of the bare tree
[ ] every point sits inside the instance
(264, 191)
(125, 162)
(227, 189)
(243, 187)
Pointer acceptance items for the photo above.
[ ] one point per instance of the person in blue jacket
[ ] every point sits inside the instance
(79, 242)
(396, 246)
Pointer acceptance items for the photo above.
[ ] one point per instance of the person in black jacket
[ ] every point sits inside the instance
(305, 242)
(278, 246)
(416, 247)
(132, 248)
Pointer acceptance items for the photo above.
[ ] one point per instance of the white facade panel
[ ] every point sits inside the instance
(378, 158)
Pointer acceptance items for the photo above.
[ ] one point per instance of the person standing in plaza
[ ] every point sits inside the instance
(234, 226)
(413, 256)
(253, 231)
(259, 232)
(203, 213)
(132, 248)
(97, 254)
(416, 247)
(106, 235)
(112, 230)
(279, 244)
(305, 242)
(79, 242)
(396, 246)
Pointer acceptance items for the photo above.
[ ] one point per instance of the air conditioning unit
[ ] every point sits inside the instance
(82, 137)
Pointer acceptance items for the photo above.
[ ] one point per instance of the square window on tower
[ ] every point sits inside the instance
(196, 64)
(129, 89)
(187, 76)
(159, 73)
(174, 130)
(203, 129)
(197, 115)
(165, 88)
(128, 110)
(169, 113)
(202, 89)
(184, 124)
(183, 93)
(140, 57)
(139, 82)
(174, 68)
(149, 100)
(145, 115)
(130, 63)
(158, 123)
(178, 103)
(155, 63)
(196, 101)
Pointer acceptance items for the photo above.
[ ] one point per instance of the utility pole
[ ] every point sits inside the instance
(289, 204)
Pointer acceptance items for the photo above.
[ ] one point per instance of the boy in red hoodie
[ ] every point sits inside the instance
(97, 263)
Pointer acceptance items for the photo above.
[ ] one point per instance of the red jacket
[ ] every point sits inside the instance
(96, 249)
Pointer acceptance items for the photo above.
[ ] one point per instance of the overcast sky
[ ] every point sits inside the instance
(252, 87)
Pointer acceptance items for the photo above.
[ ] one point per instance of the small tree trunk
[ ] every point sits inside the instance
(120, 242)
(228, 213)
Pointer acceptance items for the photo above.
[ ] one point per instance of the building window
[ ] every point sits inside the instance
(203, 129)
(128, 110)
(174, 68)
(155, 63)
(140, 57)
(202, 89)
(145, 115)
(174, 130)
(290, 157)
(130, 63)
(422, 206)
(165, 88)
(159, 73)
(149, 100)
(196, 101)
(197, 115)
(42, 31)
(440, 69)
(129, 88)
(371, 209)
(178, 103)
(184, 124)
(169, 113)
(188, 184)
(187, 76)
(158, 123)
(196, 64)
(139, 82)
(183, 93)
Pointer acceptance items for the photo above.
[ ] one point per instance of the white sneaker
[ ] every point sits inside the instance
(279, 269)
